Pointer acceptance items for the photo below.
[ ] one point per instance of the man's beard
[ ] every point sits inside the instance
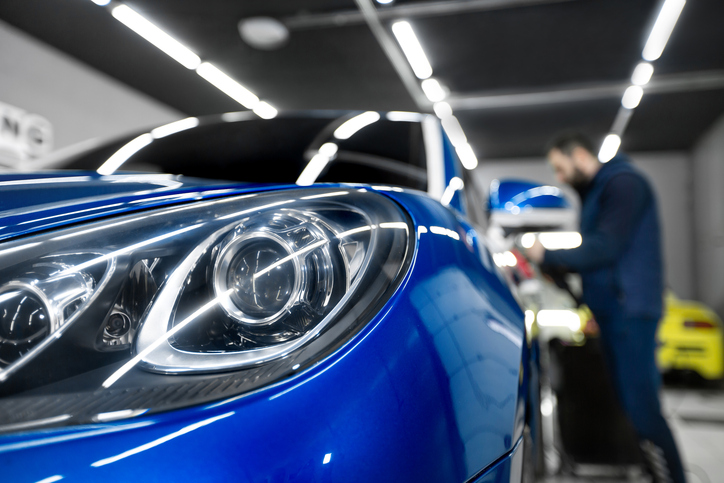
(578, 180)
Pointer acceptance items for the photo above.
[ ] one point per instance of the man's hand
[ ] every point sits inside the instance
(536, 253)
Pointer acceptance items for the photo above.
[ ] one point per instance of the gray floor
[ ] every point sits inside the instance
(696, 417)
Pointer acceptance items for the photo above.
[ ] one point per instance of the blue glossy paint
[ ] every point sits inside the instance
(34, 202)
(506, 195)
(430, 390)
(453, 169)
(507, 469)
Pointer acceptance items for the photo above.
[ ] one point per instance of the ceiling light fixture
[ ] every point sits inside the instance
(662, 29)
(227, 85)
(467, 156)
(632, 97)
(659, 36)
(180, 53)
(102, 3)
(163, 41)
(642, 74)
(442, 109)
(433, 90)
(263, 33)
(412, 49)
(454, 130)
(265, 111)
(609, 148)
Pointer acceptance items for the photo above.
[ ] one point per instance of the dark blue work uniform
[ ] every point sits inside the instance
(621, 269)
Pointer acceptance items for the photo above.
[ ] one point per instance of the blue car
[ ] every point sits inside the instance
(328, 313)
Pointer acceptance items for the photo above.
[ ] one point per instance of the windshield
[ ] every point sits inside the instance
(286, 149)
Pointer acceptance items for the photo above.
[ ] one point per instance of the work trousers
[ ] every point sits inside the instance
(629, 345)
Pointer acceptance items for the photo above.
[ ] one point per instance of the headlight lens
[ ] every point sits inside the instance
(244, 290)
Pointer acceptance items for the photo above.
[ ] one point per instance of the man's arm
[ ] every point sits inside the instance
(622, 205)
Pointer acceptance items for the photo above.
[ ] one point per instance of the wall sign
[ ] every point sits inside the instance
(23, 136)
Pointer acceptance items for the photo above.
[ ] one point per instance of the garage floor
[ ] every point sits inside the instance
(697, 418)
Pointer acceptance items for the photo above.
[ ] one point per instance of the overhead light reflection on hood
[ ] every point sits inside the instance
(351, 126)
(174, 127)
(159, 441)
(123, 154)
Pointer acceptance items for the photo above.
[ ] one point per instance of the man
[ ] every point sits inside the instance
(619, 261)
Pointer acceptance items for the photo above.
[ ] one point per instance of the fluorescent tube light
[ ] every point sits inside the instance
(102, 3)
(467, 156)
(609, 148)
(662, 29)
(433, 90)
(412, 49)
(174, 127)
(139, 24)
(632, 97)
(454, 130)
(351, 126)
(642, 74)
(265, 111)
(227, 85)
(442, 109)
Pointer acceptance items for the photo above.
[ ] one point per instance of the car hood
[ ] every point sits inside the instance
(38, 201)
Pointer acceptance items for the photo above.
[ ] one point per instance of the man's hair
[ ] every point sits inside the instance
(567, 141)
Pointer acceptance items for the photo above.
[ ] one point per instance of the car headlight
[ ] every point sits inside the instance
(242, 290)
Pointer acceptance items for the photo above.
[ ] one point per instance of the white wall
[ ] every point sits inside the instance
(670, 175)
(81, 103)
(708, 164)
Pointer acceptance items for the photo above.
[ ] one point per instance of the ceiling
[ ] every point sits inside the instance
(518, 71)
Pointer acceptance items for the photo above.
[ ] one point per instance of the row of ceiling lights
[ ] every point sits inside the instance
(434, 91)
(402, 30)
(653, 49)
(184, 56)
(415, 55)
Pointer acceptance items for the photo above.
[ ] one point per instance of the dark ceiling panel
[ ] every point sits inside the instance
(525, 131)
(536, 46)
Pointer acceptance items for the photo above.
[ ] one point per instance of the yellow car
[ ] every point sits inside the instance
(691, 338)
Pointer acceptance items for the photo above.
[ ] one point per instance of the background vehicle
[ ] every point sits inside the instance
(164, 328)
(691, 339)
